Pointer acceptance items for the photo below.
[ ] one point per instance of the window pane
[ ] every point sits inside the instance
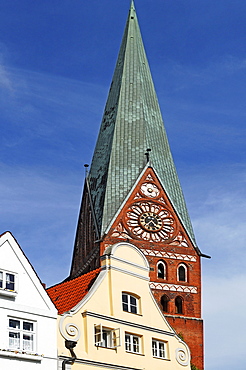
(154, 348)
(133, 304)
(1, 279)
(133, 309)
(128, 342)
(132, 300)
(161, 271)
(14, 340)
(10, 281)
(161, 349)
(105, 339)
(27, 326)
(14, 324)
(10, 278)
(125, 302)
(124, 298)
(98, 335)
(135, 344)
(181, 273)
(27, 342)
(125, 306)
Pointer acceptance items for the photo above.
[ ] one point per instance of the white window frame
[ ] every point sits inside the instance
(159, 349)
(20, 333)
(133, 343)
(131, 304)
(6, 279)
(185, 268)
(106, 337)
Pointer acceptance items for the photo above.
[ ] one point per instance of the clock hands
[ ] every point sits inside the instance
(151, 221)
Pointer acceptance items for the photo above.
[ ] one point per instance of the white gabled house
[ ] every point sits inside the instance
(27, 315)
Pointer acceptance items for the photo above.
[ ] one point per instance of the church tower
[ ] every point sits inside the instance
(132, 193)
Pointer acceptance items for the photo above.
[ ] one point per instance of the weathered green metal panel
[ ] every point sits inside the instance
(132, 122)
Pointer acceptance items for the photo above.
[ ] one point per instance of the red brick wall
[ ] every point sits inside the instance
(176, 250)
(192, 333)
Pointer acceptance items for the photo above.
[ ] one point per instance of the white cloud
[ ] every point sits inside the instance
(42, 101)
(6, 84)
(185, 76)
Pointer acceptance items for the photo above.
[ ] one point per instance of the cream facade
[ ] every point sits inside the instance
(118, 325)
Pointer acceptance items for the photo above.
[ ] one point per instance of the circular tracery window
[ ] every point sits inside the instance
(150, 221)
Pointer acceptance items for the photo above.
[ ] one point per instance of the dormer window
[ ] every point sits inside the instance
(129, 303)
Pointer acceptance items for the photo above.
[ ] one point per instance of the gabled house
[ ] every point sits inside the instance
(109, 318)
(27, 315)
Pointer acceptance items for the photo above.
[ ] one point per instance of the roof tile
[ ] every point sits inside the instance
(68, 294)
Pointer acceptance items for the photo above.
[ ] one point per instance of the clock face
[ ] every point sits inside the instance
(150, 221)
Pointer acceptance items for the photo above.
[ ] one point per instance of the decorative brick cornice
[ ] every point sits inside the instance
(174, 287)
(156, 253)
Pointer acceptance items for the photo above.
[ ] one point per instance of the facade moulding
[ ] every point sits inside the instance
(101, 364)
(123, 322)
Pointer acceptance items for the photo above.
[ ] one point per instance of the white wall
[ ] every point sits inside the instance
(30, 303)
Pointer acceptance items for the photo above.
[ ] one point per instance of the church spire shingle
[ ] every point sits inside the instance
(132, 122)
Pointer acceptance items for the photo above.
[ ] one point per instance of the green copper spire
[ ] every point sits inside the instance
(131, 123)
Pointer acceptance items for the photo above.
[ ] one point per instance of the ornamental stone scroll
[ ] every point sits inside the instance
(70, 331)
(182, 356)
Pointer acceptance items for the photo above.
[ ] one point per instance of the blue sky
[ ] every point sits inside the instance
(56, 63)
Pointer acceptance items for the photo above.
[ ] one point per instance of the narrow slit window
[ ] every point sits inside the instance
(161, 270)
(182, 273)
(179, 305)
(164, 303)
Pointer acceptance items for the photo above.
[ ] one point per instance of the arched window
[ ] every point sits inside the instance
(130, 303)
(182, 273)
(179, 305)
(161, 270)
(164, 303)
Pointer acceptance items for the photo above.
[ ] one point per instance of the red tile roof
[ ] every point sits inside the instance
(68, 294)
